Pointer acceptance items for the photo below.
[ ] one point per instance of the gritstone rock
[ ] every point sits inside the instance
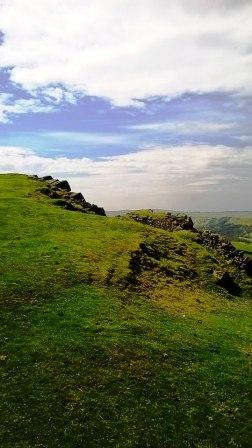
(224, 280)
(60, 191)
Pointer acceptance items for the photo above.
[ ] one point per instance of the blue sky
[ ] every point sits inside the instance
(149, 110)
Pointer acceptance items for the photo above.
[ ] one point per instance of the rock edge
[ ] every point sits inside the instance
(60, 190)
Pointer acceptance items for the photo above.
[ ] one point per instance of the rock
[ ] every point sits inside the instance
(65, 203)
(150, 251)
(46, 178)
(167, 222)
(69, 206)
(45, 190)
(248, 266)
(190, 223)
(51, 182)
(224, 280)
(61, 203)
(54, 194)
(62, 184)
(61, 191)
(94, 208)
(78, 197)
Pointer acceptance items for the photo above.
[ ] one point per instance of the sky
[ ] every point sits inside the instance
(139, 104)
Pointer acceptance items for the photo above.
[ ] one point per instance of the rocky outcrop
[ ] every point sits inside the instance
(60, 190)
(225, 248)
(58, 184)
(154, 257)
(213, 241)
(167, 222)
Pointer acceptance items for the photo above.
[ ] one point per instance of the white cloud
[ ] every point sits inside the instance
(85, 137)
(186, 177)
(184, 127)
(9, 107)
(56, 94)
(128, 49)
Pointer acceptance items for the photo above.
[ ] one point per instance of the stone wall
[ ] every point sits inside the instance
(213, 241)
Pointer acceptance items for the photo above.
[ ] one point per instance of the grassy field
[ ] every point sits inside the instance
(87, 360)
(246, 246)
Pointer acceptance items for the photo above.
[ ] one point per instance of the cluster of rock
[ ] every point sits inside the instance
(167, 222)
(224, 247)
(60, 191)
(223, 279)
(148, 257)
(213, 241)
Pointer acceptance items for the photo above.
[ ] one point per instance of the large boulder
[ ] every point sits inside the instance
(248, 266)
(68, 205)
(223, 279)
(45, 190)
(78, 197)
(55, 194)
(46, 178)
(52, 181)
(61, 184)
(94, 208)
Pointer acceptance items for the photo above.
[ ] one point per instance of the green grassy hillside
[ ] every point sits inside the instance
(101, 348)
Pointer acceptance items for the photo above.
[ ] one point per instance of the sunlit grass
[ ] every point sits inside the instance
(87, 360)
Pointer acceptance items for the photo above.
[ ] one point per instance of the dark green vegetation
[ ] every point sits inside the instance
(103, 347)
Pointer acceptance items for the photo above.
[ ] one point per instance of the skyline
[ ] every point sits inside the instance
(143, 105)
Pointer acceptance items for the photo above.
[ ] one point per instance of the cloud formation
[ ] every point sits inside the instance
(10, 106)
(127, 49)
(185, 127)
(199, 177)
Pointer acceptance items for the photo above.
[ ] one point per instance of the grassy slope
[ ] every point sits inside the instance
(84, 362)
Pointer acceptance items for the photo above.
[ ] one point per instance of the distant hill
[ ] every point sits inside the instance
(236, 226)
(234, 214)
(117, 332)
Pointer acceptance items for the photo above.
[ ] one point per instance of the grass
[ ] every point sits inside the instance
(245, 246)
(85, 361)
